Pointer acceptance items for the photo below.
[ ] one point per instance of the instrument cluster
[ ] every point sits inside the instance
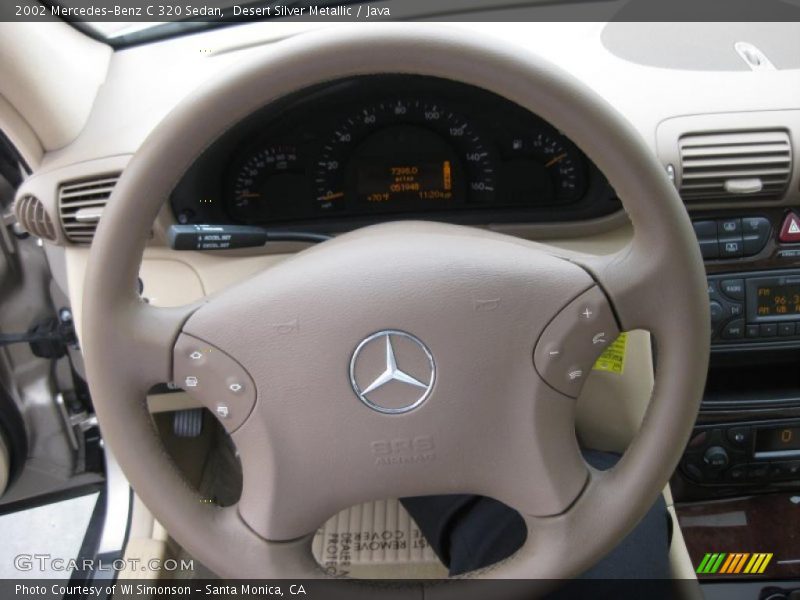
(386, 147)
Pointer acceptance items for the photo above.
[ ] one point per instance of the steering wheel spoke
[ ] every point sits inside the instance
(144, 358)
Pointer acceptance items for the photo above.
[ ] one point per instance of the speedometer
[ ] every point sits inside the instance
(404, 155)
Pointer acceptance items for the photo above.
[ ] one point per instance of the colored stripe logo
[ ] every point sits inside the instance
(734, 563)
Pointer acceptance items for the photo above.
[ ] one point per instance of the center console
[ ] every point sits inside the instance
(747, 437)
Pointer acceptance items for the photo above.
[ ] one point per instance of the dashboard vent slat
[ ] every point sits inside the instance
(34, 218)
(76, 197)
(710, 160)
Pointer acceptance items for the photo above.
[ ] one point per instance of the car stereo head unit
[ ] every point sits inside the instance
(755, 310)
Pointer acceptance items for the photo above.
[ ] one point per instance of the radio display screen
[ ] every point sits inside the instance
(778, 300)
(779, 439)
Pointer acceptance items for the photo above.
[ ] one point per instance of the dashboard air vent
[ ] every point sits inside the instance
(731, 165)
(81, 204)
(34, 218)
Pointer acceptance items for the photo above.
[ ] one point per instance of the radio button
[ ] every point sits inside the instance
(733, 288)
(778, 471)
(735, 310)
(752, 331)
(786, 329)
(717, 312)
(734, 330)
(769, 330)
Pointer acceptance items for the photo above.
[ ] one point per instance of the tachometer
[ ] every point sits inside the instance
(404, 155)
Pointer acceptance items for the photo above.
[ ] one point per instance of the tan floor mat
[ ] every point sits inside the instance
(376, 539)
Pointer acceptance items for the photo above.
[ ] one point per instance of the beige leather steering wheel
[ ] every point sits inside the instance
(505, 323)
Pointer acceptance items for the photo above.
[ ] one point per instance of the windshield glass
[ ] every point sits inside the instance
(171, 20)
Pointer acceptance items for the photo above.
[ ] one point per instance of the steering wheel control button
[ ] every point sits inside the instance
(392, 372)
(553, 353)
(197, 355)
(580, 332)
(575, 374)
(215, 380)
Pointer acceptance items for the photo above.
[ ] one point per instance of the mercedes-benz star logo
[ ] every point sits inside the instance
(384, 386)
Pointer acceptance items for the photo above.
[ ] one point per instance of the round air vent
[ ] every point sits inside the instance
(32, 216)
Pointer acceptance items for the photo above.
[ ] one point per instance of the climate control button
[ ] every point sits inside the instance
(716, 457)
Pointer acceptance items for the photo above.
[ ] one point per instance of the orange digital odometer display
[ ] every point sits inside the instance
(778, 300)
(405, 182)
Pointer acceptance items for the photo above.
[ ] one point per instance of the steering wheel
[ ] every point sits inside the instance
(401, 359)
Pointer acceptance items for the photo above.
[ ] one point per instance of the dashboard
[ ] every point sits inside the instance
(373, 148)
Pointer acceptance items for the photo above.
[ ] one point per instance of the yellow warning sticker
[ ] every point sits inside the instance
(613, 358)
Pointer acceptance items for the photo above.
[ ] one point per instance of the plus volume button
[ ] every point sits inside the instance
(571, 343)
